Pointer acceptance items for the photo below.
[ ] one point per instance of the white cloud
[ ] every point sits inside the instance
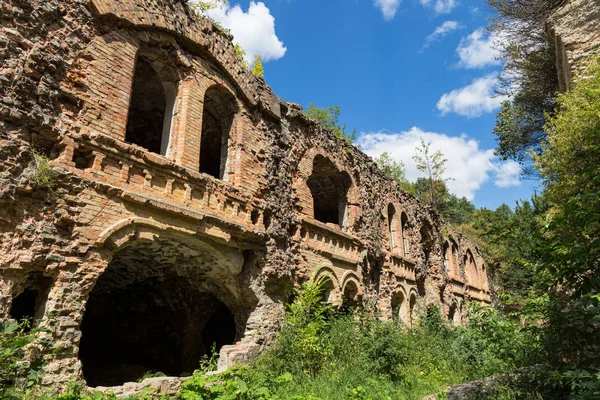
(507, 174)
(472, 100)
(441, 31)
(468, 165)
(479, 50)
(253, 30)
(440, 6)
(388, 7)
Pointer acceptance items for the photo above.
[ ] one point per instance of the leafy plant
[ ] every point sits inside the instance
(40, 173)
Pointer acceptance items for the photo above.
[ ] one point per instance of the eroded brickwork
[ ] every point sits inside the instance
(165, 257)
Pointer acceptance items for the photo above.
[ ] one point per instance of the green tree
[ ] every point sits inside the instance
(432, 165)
(529, 76)
(395, 170)
(330, 118)
(257, 67)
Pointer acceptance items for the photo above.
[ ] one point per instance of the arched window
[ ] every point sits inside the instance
(329, 189)
(403, 228)
(447, 257)
(392, 226)
(455, 263)
(426, 241)
(471, 268)
(399, 308)
(411, 308)
(151, 105)
(217, 121)
(350, 296)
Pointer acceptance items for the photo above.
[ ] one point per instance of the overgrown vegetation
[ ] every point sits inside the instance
(40, 173)
(330, 118)
(323, 354)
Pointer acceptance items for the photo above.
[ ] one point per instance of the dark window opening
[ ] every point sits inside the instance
(150, 108)
(326, 289)
(267, 219)
(411, 309)
(426, 242)
(329, 189)
(452, 314)
(392, 226)
(143, 316)
(217, 121)
(398, 312)
(30, 304)
(403, 228)
(83, 158)
(254, 215)
(350, 297)
(23, 306)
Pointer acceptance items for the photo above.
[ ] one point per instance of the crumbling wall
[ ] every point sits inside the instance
(575, 27)
(124, 220)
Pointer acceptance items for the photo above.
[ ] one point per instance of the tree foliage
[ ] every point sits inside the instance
(432, 164)
(257, 67)
(330, 118)
(394, 169)
(529, 77)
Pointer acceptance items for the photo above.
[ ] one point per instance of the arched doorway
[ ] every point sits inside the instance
(157, 307)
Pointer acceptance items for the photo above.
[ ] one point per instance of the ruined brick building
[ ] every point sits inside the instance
(190, 200)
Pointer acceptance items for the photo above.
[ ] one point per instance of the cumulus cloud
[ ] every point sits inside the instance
(468, 165)
(253, 30)
(472, 100)
(479, 50)
(440, 6)
(388, 7)
(441, 31)
(508, 174)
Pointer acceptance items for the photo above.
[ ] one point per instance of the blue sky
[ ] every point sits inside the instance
(399, 70)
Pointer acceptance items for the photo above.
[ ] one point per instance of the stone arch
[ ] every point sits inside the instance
(412, 306)
(455, 312)
(218, 126)
(400, 306)
(455, 263)
(154, 90)
(351, 290)
(162, 300)
(342, 179)
(331, 287)
(471, 272)
(329, 190)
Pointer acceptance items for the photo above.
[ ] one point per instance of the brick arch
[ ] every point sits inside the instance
(348, 277)
(333, 292)
(399, 304)
(201, 32)
(220, 119)
(306, 170)
(471, 272)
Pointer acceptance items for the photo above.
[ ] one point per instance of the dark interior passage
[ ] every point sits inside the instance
(329, 189)
(23, 306)
(217, 120)
(142, 317)
(147, 108)
(30, 303)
